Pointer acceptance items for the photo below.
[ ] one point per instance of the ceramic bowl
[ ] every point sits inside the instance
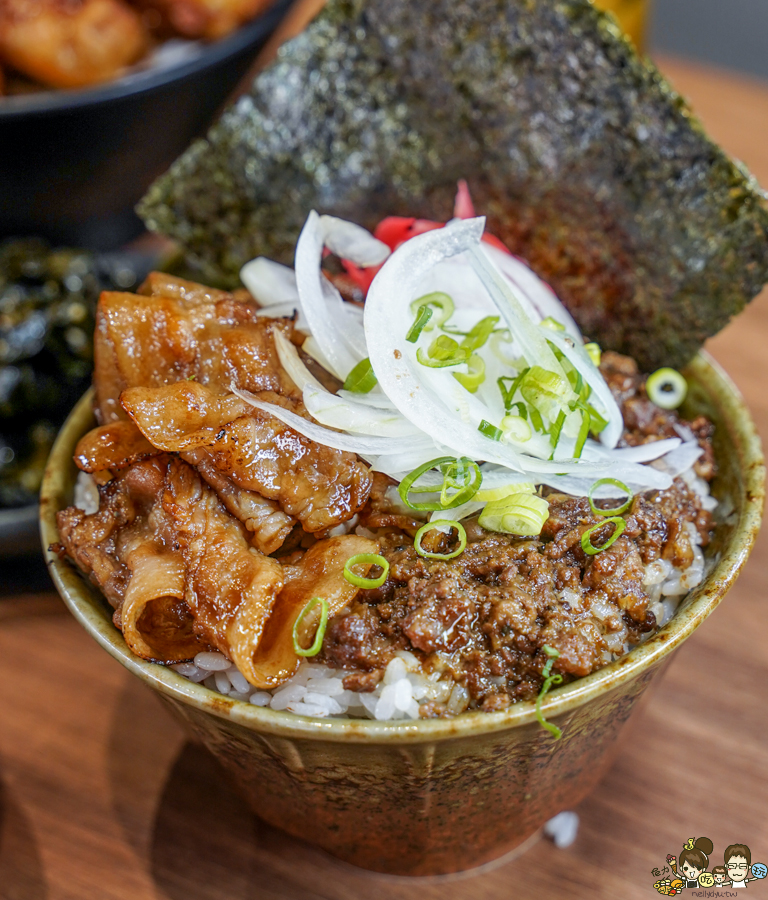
(438, 795)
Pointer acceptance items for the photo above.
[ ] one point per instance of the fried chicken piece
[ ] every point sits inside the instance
(70, 43)
(209, 19)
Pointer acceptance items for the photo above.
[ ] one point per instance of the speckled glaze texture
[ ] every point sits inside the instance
(439, 795)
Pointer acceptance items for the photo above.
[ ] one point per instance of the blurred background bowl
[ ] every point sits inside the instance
(74, 163)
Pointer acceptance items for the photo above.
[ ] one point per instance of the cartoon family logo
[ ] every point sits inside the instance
(690, 870)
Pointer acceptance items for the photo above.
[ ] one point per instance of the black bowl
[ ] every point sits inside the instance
(74, 163)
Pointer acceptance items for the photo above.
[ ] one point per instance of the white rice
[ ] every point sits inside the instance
(317, 690)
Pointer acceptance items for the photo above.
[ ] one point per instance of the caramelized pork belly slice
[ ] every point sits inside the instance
(182, 416)
(317, 485)
(128, 549)
(319, 573)
(231, 588)
(269, 525)
(114, 446)
(210, 336)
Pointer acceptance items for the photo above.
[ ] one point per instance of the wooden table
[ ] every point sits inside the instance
(101, 797)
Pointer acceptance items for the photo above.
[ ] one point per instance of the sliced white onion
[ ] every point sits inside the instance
(291, 362)
(351, 241)
(356, 418)
(679, 460)
(364, 446)
(531, 341)
(337, 334)
(529, 285)
(269, 282)
(601, 396)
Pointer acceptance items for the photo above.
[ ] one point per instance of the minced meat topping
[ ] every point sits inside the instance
(484, 616)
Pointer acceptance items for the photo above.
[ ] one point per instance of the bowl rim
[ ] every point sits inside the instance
(93, 616)
(148, 80)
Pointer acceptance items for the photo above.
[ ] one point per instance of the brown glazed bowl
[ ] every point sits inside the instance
(438, 795)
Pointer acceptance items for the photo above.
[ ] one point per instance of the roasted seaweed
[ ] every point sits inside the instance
(47, 306)
(586, 162)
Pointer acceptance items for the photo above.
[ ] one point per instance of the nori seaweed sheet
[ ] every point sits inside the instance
(585, 161)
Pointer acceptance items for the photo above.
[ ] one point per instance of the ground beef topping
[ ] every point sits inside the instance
(484, 617)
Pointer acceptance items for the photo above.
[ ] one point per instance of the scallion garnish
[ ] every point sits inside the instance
(480, 333)
(557, 427)
(586, 539)
(545, 391)
(414, 332)
(666, 388)
(549, 680)
(475, 376)
(373, 559)
(518, 513)
(319, 634)
(440, 523)
(442, 352)
(490, 431)
(619, 509)
(583, 434)
(508, 393)
(516, 428)
(361, 379)
(594, 353)
(552, 324)
(442, 303)
(462, 473)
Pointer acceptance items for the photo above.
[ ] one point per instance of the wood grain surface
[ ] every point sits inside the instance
(101, 797)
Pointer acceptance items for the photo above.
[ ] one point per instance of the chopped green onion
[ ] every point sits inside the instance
(596, 422)
(552, 324)
(581, 439)
(480, 333)
(439, 523)
(545, 391)
(361, 559)
(443, 304)
(586, 539)
(516, 428)
(451, 469)
(536, 420)
(523, 514)
(490, 431)
(549, 680)
(666, 388)
(619, 509)
(594, 353)
(521, 487)
(557, 428)
(319, 634)
(442, 352)
(472, 379)
(508, 394)
(414, 332)
(463, 474)
(361, 379)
